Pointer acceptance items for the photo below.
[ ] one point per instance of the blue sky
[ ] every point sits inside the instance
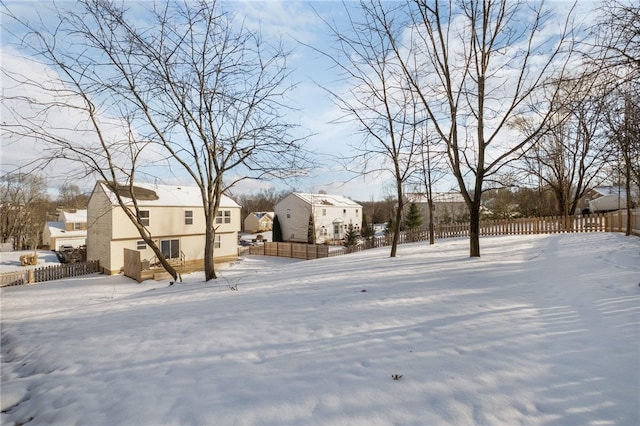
(296, 23)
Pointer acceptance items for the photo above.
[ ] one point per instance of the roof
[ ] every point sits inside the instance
(56, 229)
(326, 200)
(148, 195)
(78, 216)
(260, 215)
(438, 197)
(611, 190)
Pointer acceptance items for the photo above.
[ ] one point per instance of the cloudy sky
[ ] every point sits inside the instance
(297, 24)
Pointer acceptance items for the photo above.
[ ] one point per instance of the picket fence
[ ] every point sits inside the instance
(49, 273)
(608, 222)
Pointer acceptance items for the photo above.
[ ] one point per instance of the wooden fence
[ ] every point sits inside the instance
(49, 273)
(294, 250)
(608, 222)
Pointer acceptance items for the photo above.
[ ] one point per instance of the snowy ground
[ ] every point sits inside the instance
(542, 330)
(10, 261)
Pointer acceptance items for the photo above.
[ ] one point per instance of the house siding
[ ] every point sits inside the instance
(295, 228)
(69, 229)
(99, 228)
(114, 232)
(253, 224)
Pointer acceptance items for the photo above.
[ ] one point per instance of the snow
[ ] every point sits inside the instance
(10, 261)
(541, 330)
(76, 216)
(171, 196)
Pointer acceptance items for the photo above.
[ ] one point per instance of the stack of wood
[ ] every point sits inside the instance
(29, 259)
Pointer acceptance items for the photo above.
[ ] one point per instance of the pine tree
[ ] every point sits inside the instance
(276, 230)
(391, 227)
(311, 231)
(350, 238)
(367, 230)
(414, 217)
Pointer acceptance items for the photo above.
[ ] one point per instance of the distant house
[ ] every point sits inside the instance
(605, 198)
(69, 230)
(448, 207)
(258, 222)
(174, 216)
(331, 216)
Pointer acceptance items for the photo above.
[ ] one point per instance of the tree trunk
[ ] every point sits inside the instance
(396, 232)
(432, 237)
(474, 229)
(210, 238)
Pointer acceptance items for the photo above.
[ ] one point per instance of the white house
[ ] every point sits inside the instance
(69, 230)
(607, 198)
(258, 222)
(331, 216)
(174, 216)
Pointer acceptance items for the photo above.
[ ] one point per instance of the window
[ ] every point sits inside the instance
(324, 212)
(223, 216)
(141, 245)
(170, 248)
(188, 217)
(144, 217)
(77, 226)
(288, 213)
(344, 211)
(216, 243)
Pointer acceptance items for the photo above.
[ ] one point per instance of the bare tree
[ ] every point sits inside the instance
(190, 83)
(261, 201)
(71, 197)
(617, 32)
(378, 101)
(23, 208)
(431, 170)
(623, 128)
(475, 66)
(571, 150)
(82, 137)
(617, 52)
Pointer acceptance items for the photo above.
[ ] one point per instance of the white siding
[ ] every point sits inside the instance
(295, 227)
(110, 231)
(99, 224)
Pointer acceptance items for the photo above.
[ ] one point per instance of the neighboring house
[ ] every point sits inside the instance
(174, 216)
(69, 230)
(258, 222)
(448, 207)
(605, 199)
(331, 214)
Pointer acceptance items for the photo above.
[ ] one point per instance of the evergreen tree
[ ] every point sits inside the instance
(391, 227)
(350, 238)
(414, 217)
(276, 230)
(311, 231)
(367, 230)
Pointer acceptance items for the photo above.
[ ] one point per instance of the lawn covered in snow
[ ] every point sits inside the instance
(541, 330)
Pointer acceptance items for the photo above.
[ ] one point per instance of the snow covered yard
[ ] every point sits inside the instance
(542, 330)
